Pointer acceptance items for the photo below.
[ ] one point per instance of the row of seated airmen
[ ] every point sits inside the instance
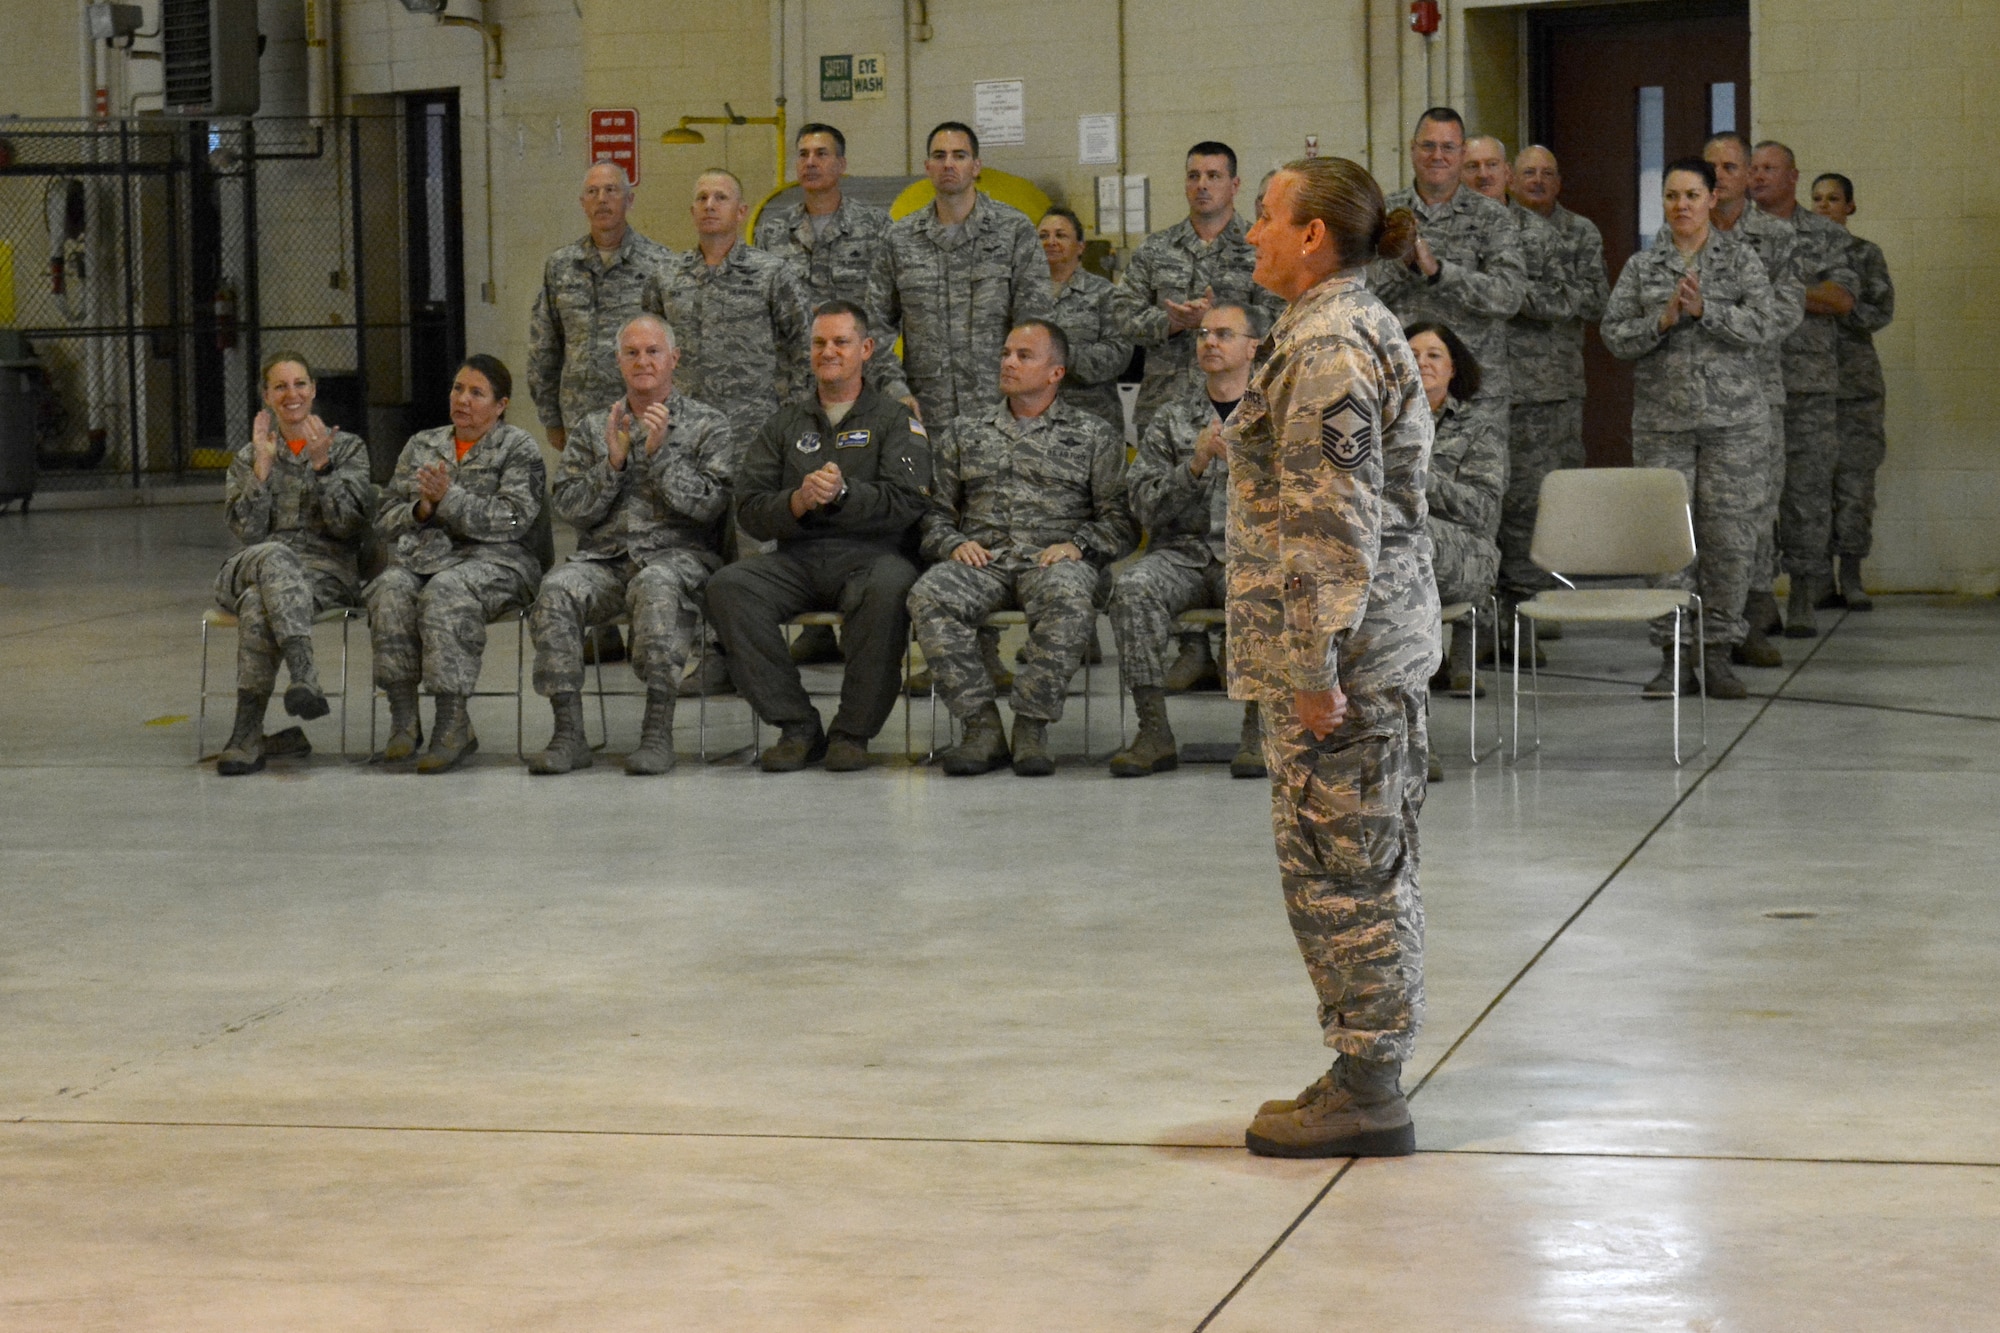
(859, 509)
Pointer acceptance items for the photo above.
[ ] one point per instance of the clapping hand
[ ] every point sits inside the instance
(319, 442)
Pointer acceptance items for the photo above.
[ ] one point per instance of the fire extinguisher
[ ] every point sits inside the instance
(1423, 16)
(225, 317)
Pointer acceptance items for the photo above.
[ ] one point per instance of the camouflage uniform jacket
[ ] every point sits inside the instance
(1061, 479)
(1777, 247)
(1811, 355)
(1468, 469)
(834, 263)
(1177, 265)
(885, 465)
(954, 298)
(1701, 372)
(573, 331)
(1186, 517)
(1329, 563)
(1874, 307)
(321, 515)
(1480, 284)
(743, 328)
(1545, 341)
(1097, 349)
(491, 511)
(673, 500)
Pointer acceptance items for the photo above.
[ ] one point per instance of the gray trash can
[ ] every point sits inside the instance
(17, 419)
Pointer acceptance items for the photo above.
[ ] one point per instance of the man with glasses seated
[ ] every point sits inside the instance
(1179, 488)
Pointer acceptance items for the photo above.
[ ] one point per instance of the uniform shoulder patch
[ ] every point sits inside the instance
(1347, 432)
(917, 428)
(809, 442)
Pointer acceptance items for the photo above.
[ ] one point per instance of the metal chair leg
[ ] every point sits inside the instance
(201, 705)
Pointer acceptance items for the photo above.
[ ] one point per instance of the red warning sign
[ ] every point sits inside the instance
(614, 137)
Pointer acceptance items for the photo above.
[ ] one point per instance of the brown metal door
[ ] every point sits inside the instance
(1615, 89)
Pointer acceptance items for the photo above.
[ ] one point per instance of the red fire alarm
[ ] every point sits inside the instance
(1423, 16)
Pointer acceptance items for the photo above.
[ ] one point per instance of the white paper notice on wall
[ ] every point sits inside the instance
(1121, 205)
(1097, 141)
(999, 112)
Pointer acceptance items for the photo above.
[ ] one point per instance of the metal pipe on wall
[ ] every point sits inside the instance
(319, 60)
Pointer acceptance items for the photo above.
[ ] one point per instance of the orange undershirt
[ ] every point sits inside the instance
(296, 446)
(464, 447)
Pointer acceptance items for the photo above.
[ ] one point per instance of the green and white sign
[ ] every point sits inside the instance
(852, 78)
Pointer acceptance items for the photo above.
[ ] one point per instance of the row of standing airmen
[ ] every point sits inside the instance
(1516, 281)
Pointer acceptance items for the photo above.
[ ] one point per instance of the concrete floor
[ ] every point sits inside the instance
(1711, 1048)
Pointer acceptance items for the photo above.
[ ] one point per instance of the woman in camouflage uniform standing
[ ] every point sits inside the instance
(1333, 627)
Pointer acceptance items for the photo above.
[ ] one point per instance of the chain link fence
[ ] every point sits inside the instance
(147, 266)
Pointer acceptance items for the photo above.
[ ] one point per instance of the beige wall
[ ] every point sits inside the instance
(1894, 98)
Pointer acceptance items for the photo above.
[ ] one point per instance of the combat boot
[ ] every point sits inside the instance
(845, 753)
(1464, 681)
(1756, 650)
(1434, 772)
(983, 747)
(1364, 1114)
(1761, 610)
(1314, 1090)
(451, 736)
(1718, 680)
(1799, 610)
(1850, 584)
(406, 733)
(303, 697)
(1031, 748)
(655, 754)
(798, 744)
(1662, 685)
(918, 683)
(245, 751)
(989, 653)
(291, 743)
(710, 677)
(1154, 749)
(1195, 668)
(568, 750)
(815, 645)
(1249, 760)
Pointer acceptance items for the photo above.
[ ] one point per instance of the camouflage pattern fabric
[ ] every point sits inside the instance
(648, 536)
(274, 593)
(1765, 565)
(573, 329)
(1863, 440)
(832, 263)
(1344, 812)
(1097, 349)
(1330, 575)
(1177, 265)
(1480, 287)
(953, 294)
(1545, 340)
(1703, 372)
(1724, 467)
(1805, 513)
(1185, 517)
(1147, 594)
(1468, 478)
(472, 561)
(1811, 352)
(1541, 437)
(744, 329)
(950, 599)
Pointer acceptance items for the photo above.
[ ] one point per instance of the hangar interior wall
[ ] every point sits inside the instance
(1893, 99)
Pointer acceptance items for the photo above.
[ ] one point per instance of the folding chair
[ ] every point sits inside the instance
(1467, 614)
(1616, 522)
(1003, 621)
(215, 618)
(517, 693)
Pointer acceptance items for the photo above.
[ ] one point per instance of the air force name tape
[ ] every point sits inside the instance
(1346, 433)
(809, 442)
(852, 439)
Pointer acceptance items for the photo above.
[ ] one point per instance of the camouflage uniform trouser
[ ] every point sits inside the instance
(1805, 516)
(1541, 437)
(1863, 445)
(1463, 563)
(950, 599)
(435, 625)
(274, 593)
(1344, 811)
(1764, 566)
(1146, 595)
(1724, 467)
(663, 597)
